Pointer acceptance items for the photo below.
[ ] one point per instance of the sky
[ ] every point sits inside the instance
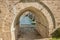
(25, 20)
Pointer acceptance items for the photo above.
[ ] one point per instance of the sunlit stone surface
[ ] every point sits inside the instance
(7, 17)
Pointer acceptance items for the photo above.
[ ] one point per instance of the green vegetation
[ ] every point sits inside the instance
(56, 35)
(55, 38)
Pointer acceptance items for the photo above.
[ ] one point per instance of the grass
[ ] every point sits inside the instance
(55, 38)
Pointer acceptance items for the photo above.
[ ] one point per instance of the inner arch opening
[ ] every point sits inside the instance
(28, 26)
(39, 24)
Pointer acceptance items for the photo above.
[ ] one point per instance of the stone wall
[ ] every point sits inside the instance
(7, 15)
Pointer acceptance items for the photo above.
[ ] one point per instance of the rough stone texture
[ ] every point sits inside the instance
(55, 8)
(7, 15)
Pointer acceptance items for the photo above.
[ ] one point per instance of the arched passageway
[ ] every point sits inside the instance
(42, 25)
(27, 24)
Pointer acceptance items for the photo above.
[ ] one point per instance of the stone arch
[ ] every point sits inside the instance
(40, 17)
(44, 5)
(48, 15)
(46, 10)
(53, 20)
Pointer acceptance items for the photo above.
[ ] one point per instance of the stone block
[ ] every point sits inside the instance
(6, 36)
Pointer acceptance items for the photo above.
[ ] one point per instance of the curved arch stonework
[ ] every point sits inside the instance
(21, 6)
(39, 16)
(8, 19)
(36, 11)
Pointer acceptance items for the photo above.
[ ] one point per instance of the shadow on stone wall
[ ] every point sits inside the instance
(56, 34)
